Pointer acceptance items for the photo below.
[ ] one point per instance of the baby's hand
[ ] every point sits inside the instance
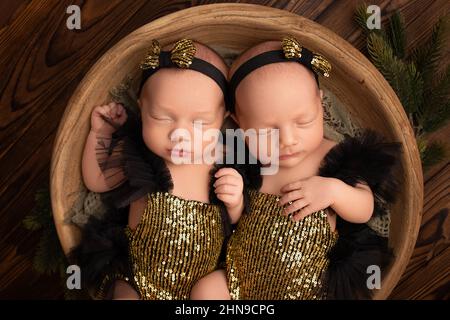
(107, 118)
(229, 188)
(307, 196)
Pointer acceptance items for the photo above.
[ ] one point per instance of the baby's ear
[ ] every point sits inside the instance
(321, 94)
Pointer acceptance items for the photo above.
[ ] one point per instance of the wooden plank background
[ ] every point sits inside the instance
(42, 62)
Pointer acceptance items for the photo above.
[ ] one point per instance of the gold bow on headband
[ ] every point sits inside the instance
(182, 54)
(293, 49)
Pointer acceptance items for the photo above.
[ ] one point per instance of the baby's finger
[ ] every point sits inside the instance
(225, 189)
(226, 171)
(302, 214)
(227, 179)
(108, 111)
(97, 110)
(119, 110)
(292, 186)
(225, 198)
(104, 112)
(291, 196)
(295, 206)
(113, 109)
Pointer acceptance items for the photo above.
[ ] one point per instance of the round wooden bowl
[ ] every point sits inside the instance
(354, 80)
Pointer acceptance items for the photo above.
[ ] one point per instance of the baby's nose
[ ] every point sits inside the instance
(287, 137)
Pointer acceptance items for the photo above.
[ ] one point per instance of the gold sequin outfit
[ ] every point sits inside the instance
(271, 257)
(176, 243)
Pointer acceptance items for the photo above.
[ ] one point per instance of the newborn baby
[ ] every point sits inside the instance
(151, 163)
(287, 246)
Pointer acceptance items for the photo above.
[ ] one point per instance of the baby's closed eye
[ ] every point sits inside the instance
(159, 117)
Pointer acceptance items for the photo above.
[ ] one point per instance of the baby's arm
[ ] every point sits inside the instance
(353, 204)
(100, 134)
(229, 188)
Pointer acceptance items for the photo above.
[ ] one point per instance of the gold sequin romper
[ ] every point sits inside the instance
(176, 243)
(270, 256)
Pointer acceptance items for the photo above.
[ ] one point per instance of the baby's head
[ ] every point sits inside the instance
(283, 96)
(173, 99)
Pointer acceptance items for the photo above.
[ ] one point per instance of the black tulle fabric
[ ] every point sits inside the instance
(102, 252)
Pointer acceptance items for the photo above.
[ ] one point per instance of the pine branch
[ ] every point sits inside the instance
(437, 119)
(32, 223)
(49, 257)
(41, 215)
(428, 56)
(441, 88)
(403, 77)
(433, 153)
(415, 95)
(361, 17)
(437, 109)
(423, 94)
(396, 34)
(383, 58)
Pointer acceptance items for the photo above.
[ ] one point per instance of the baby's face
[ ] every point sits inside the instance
(171, 102)
(281, 96)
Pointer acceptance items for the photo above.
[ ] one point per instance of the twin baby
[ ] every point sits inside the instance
(200, 230)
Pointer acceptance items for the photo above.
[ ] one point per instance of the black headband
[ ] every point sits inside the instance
(181, 56)
(292, 51)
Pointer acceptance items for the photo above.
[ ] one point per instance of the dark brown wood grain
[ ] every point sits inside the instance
(41, 64)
